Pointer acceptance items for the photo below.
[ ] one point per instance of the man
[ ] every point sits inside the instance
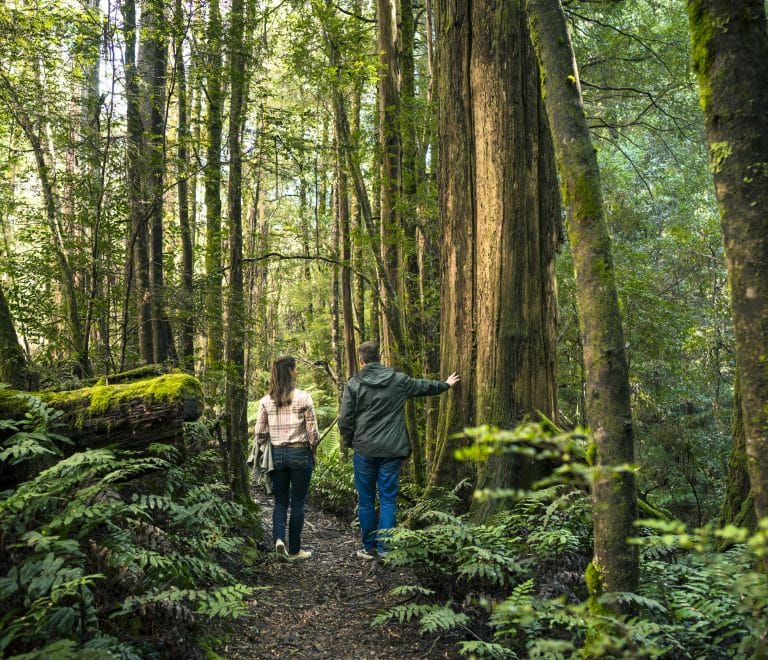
(372, 423)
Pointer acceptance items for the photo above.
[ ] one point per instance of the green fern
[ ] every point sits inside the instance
(481, 649)
(80, 524)
(431, 617)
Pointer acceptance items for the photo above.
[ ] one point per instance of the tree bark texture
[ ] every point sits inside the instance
(499, 217)
(738, 508)
(153, 57)
(236, 398)
(729, 50)
(608, 402)
(137, 250)
(345, 274)
(212, 182)
(13, 363)
(186, 307)
(389, 154)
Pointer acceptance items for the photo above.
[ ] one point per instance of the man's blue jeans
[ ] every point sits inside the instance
(371, 473)
(290, 484)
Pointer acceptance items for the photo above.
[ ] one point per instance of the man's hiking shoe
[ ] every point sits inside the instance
(280, 549)
(301, 554)
(368, 555)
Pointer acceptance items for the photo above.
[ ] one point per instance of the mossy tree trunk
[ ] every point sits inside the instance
(13, 363)
(153, 57)
(138, 300)
(345, 272)
(738, 508)
(499, 216)
(186, 307)
(608, 402)
(729, 49)
(236, 398)
(389, 168)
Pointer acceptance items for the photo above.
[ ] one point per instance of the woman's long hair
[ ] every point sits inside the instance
(282, 380)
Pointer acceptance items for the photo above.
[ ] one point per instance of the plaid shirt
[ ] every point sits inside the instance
(293, 424)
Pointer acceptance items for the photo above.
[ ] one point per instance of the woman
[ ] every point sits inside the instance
(287, 417)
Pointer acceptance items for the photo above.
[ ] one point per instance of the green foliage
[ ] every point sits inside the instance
(519, 577)
(333, 486)
(431, 618)
(104, 546)
(31, 440)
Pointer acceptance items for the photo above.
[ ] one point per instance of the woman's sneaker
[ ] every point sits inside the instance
(301, 554)
(280, 549)
(368, 555)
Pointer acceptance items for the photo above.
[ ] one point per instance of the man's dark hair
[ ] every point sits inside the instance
(368, 352)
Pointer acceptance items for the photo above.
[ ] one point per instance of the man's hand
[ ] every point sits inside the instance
(452, 379)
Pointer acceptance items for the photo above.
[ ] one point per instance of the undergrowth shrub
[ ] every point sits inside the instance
(113, 552)
(513, 586)
(332, 487)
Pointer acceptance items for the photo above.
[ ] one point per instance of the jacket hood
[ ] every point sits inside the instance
(375, 375)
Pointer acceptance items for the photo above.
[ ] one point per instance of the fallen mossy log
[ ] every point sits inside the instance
(131, 415)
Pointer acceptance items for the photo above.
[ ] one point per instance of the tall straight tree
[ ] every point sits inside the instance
(389, 145)
(729, 49)
(500, 222)
(212, 182)
(608, 404)
(137, 250)
(186, 311)
(153, 57)
(345, 272)
(236, 399)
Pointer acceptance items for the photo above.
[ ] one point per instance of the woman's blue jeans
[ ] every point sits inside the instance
(370, 474)
(290, 484)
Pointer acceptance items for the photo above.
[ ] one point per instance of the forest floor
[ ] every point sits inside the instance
(322, 607)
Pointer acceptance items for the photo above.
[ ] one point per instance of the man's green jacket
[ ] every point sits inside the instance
(372, 416)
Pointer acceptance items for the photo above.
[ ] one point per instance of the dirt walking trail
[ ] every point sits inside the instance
(323, 607)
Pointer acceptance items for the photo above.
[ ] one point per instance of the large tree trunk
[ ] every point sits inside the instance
(730, 47)
(500, 225)
(608, 403)
(236, 399)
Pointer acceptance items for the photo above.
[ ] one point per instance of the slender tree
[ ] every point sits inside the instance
(212, 183)
(153, 58)
(236, 401)
(137, 249)
(36, 127)
(186, 307)
(608, 403)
